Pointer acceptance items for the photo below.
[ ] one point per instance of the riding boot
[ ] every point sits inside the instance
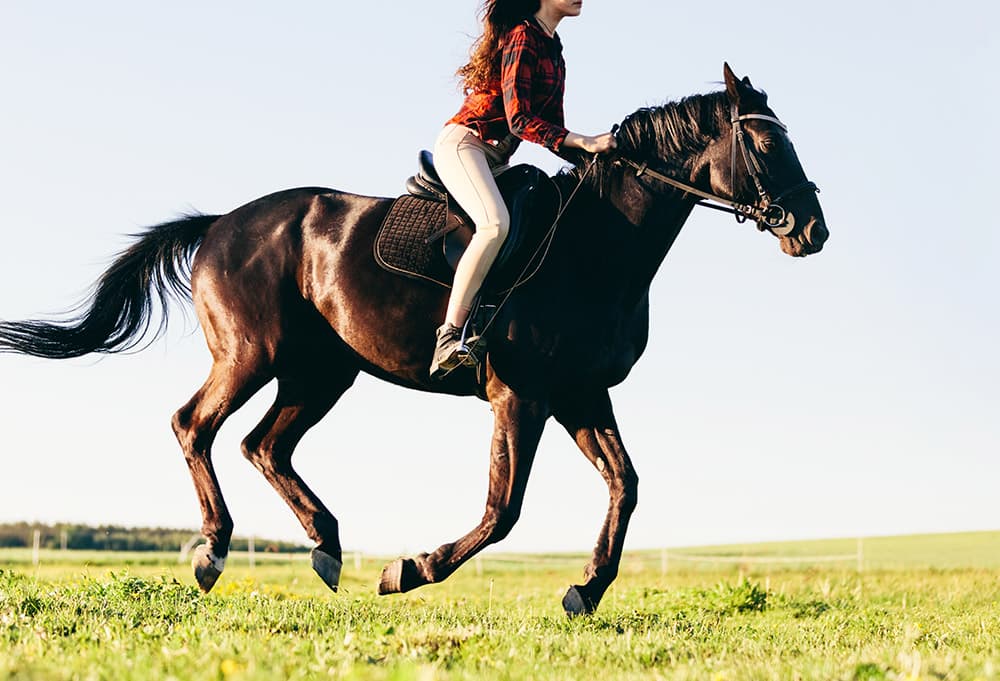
(450, 351)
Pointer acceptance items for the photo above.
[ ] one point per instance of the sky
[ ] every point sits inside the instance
(851, 393)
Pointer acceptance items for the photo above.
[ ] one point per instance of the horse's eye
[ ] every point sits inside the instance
(768, 144)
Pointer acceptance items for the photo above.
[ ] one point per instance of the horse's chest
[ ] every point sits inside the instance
(607, 360)
(581, 352)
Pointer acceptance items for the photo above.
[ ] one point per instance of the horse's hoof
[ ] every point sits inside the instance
(207, 567)
(576, 603)
(327, 567)
(399, 576)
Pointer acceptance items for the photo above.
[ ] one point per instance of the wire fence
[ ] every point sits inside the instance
(647, 560)
(639, 560)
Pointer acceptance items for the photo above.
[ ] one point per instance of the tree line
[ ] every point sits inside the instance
(118, 538)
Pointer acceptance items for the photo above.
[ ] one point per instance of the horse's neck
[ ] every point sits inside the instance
(631, 224)
(651, 224)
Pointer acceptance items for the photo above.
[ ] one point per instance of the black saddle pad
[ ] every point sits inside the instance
(403, 244)
(410, 242)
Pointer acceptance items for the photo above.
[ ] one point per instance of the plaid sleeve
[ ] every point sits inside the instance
(520, 71)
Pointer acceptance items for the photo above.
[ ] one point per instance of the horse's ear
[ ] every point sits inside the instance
(732, 83)
(746, 81)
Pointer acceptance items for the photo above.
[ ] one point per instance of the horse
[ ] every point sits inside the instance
(286, 288)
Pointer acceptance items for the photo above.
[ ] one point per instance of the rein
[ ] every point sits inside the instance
(766, 212)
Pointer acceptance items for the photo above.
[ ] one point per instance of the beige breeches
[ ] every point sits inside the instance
(465, 164)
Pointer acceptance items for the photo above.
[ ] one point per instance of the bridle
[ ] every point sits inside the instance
(767, 212)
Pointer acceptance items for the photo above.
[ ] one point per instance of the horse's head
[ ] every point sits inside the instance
(726, 150)
(756, 164)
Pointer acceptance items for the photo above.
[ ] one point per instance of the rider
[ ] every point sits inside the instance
(514, 84)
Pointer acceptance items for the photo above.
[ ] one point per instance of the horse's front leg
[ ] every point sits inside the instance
(591, 422)
(518, 425)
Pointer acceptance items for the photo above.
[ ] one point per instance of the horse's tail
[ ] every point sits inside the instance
(117, 315)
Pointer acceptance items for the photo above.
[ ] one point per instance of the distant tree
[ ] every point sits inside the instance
(116, 538)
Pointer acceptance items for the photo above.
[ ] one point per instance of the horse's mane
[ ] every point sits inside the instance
(668, 134)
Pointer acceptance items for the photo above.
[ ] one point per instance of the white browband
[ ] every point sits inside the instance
(761, 117)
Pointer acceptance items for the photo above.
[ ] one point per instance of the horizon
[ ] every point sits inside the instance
(498, 549)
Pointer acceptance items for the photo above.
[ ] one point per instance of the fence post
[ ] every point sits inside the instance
(186, 547)
(35, 545)
(489, 609)
(250, 551)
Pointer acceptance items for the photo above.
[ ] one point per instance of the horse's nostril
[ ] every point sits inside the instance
(816, 233)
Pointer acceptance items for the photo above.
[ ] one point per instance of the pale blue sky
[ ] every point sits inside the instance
(850, 393)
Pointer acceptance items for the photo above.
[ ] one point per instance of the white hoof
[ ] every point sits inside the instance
(207, 567)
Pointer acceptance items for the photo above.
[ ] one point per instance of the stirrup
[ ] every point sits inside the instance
(457, 353)
(480, 316)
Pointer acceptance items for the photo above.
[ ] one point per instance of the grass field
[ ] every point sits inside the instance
(921, 608)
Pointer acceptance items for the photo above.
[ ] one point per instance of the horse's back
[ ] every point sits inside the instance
(272, 229)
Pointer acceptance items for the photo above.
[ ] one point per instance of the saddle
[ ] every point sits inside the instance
(425, 232)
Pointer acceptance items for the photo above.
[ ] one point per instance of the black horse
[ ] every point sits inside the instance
(286, 288)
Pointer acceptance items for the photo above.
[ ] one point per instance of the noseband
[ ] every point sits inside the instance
(767, 212)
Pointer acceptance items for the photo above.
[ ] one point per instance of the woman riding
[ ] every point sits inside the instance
(514, 84)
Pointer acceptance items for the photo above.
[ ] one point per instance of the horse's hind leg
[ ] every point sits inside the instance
(196, 424)
(591, 422)
(301, 402)
(518, 425)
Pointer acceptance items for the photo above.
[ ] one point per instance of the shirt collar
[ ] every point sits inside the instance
(533, 22)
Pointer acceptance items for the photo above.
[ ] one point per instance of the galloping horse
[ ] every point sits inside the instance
(286, 288)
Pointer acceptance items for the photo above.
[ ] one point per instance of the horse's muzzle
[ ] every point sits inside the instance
(815, 235)
(807, 240)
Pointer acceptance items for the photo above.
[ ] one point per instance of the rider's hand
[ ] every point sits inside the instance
(596, 144)
(601, 144)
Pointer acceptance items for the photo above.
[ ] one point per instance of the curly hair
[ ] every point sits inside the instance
(497, 17)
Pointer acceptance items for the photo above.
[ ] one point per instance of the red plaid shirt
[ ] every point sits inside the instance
(528, 99)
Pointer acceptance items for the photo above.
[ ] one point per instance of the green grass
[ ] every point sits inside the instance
(923, 608)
